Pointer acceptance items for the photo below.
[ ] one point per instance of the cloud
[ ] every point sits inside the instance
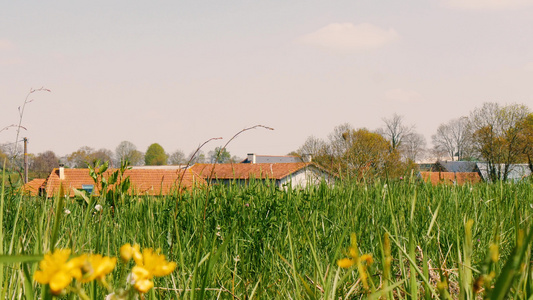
(403, 96)
(347, 37)
(6, 45)
(487, 4)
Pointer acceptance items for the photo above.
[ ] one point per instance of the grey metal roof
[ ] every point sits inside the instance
(458, 166)
(517, 172)
(265, 159)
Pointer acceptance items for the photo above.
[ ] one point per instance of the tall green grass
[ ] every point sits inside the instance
(261, 242)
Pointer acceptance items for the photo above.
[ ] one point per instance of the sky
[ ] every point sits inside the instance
(178, 73)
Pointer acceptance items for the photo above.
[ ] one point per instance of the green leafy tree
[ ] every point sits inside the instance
(219, 156)
(155, 155)
(357, 154)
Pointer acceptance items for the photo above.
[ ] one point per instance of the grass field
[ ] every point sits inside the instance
(259, 242)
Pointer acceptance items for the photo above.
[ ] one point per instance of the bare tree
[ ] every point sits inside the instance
(413, 146)
(128, 151)
(454, 138)
(338, 139)
(197, 157)
(313, 146)
(395, 130)
(177, 158)
(101, 155)
(44, 163)
(87, 156)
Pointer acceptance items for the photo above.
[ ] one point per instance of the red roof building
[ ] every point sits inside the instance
(297, 174)
(143, 181)
(450, 177)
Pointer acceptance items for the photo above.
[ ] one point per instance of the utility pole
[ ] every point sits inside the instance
(25, 160)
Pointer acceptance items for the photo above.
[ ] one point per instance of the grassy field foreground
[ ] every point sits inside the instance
(394, 240)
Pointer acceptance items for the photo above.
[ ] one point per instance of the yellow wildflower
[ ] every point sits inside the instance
(57, 270)
(494, 253)
(355, 259)
(367, 258)
(345, 263)
(148, 265)
(98, 267)
(127, 252)
(142, 278)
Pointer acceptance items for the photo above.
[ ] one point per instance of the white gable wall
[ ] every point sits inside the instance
(303, 177)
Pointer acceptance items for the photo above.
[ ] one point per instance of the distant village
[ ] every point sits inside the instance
(492, 144)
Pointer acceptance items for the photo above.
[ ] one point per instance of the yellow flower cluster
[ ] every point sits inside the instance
(361, 261)
(147, 265)
(58, 271)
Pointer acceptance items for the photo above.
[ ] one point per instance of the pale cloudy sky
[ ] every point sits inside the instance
(180, 72)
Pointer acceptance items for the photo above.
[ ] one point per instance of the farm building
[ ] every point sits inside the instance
(515, 172)
(456, 166)
(294, 174)
(32, 187)
(142, 181)
(253, 158)
(465, 171)
(450, 177)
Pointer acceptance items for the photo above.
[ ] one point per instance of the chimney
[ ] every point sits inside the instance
(251, 158)
(306, 158)
(61, 171)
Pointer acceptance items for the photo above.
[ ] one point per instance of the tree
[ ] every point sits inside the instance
(87, 156)
(128, 151)
(177, 158)
(369, 156)
(337, 140)
(318, 149)
(44, 163)
(4, 157)
(102, 155)
(219, 156)
(526, 140)
(413, 146)
(454, 138)
(497, 133)
(80, 158)
(395, 130)
(313, 146)
(358, 154)
(197, 157)
(155, 155)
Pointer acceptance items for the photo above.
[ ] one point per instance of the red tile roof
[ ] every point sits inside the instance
(32, 187)
(247, 171)
(450, 177)
(143, 181)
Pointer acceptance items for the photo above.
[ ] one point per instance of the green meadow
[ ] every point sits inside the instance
(402, 239)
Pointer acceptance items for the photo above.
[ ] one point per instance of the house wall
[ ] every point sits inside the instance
(304, 177)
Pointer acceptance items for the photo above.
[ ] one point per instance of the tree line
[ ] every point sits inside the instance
(43, 163)
(499, 135)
